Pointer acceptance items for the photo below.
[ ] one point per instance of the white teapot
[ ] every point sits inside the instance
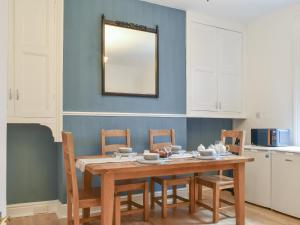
(201, 148)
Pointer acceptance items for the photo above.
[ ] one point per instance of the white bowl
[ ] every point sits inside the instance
(125, 150)
(151, 156)
(208, 152)
(176, 147)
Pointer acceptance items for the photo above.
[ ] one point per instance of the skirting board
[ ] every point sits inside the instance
(55, 206)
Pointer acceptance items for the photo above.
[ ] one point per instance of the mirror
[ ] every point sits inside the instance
(129, 59)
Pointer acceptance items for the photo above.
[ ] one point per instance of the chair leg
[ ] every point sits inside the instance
(164, 199)
(200, 190)
(129, 199)
(117, 211)
(69, 213)
(216, 204)
(192, 195)
(152, 192)
(174, 192)
(76, 214)
(146, 202)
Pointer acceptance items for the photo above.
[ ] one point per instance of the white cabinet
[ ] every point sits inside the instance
(35, 81)
(258, 178)
(286, 183)
(214, 71)
(203, 79)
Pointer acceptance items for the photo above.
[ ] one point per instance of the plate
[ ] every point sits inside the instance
(226, 154)
(206, 157)
(160, 161)
(131, 154)
(181, 156)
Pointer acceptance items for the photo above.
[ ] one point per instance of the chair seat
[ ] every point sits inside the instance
(172, 180)
(219, 180)
(89, 198)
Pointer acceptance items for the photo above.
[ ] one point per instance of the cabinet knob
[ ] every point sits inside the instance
(267, 156)
(17, 95)
(10, 95)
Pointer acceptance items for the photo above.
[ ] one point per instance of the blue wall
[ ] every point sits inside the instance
(82, 93)
(31, 164)
(82, 56)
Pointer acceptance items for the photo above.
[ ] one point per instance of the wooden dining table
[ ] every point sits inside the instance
(110, 172)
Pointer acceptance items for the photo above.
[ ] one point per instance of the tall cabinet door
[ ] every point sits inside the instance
(258, 178)
(33, 57)
(203, 83)
(286, 183)
(230, 71)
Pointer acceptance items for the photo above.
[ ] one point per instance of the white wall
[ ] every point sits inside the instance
(3, 75)
(270, 71)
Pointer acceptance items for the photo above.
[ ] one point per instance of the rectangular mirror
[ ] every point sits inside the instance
(129, 59)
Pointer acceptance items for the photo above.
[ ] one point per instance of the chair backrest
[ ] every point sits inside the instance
(70, 169)
(237, 140)
(106, 148)
(161, 133)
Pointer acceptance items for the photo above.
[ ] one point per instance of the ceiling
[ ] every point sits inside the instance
(243, 11)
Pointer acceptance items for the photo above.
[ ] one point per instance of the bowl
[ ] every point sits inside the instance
(176, 147)
(125, 150)
(208, 152)
(151, 156)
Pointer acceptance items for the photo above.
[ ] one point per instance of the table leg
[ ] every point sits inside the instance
(239, 193)
(107, 198)
(87, 185)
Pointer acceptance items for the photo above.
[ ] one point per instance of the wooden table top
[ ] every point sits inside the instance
(174, 164)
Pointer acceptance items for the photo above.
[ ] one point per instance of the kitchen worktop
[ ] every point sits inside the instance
(291, 149)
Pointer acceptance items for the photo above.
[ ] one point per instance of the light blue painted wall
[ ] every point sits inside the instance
(32, 155)
(31, 164)
(82, 76)
(205, 131)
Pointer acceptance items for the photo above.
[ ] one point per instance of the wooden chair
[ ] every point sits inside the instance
(80, 199)
(127, 186)
(172, 181)
(220, 182)
(111, 148)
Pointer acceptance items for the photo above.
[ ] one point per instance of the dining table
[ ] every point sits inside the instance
(111, 172)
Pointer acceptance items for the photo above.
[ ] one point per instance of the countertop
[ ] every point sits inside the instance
(291, 149)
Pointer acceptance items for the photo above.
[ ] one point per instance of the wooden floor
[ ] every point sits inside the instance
(255, 216)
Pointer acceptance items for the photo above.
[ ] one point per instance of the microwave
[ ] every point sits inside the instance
(270, 137)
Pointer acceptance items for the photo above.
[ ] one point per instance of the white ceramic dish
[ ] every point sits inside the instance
(206, 157)
(208, 152)
(176, 147)
(159, 161)
(130, 154)
(181, 156)
(151, 156)
(125, 150)
(226, 154)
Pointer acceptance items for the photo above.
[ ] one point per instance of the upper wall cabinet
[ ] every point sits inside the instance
(214, 71)
(35, 80)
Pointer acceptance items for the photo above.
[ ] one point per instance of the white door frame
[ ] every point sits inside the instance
(3, 104)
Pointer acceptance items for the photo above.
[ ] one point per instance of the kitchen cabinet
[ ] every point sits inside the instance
(35, 76)
(273, 179)
(286, 183)
(214, 71)
(258, 178)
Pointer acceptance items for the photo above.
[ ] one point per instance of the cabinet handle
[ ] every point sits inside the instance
(220, 105)
(10, 95)
(17, 95)
(288, 160)
(216, 105)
